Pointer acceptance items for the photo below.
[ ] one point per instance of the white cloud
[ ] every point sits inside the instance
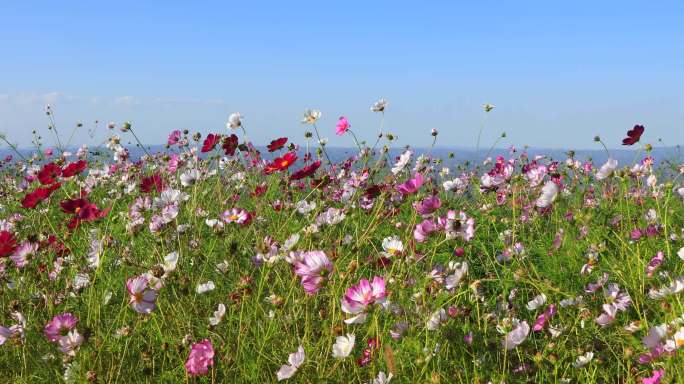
(126, 100)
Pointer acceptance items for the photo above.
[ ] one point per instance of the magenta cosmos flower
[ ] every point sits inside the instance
(59, 326)
(342, 126)
(360, 296)
(412, 185)
(428, 205)
(174, 137)
(200, 358)
(142, 298)
(312, 268)
(424, 229)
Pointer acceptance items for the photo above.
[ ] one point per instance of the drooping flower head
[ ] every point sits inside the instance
(313, 267)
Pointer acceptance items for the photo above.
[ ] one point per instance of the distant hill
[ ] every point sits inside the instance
(624, 156)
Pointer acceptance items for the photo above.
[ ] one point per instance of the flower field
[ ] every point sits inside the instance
(215, 261)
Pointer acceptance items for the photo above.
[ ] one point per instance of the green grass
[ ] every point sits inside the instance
(255, 337)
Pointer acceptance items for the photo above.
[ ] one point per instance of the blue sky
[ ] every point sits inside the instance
(557, 73)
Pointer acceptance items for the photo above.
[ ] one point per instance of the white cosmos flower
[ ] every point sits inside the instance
(295, 360)
(436, 319)
(382, 378)
(537, 302)
(305, 207)
(455, 184)
(516, 336)
(168, 197)
(678, 338)
(392, 246)
(548, 194)
(205, 287)
(218, 315)
(190, 177)
(404, 159)
(460, 270)
(380, 105)
(680, 253)
(223, 266)
(234, 121)
(291, 242)
(606, 169)
(170, 262)
(583, 360)
(655, 334)
(343, 346)
(310, 116)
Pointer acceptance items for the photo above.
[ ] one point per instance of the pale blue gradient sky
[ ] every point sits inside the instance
(558, 73)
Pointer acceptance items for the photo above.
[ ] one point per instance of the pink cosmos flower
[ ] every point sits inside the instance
(174, 137)
(366, 293)
(655, 379)
(342, 126)
(544, 318)
(616, 301)
(312, 268)
(21, 255)
(237, 215)
(458, 225)
(654, 263)
(172, 165)
(412, 185)
(59, 326)
(200, 358)
(142, 298)
(14, 331)
(69, 343)
(428, 205)
(516, 336)
(424, 229)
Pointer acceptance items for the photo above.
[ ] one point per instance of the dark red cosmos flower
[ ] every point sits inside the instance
(281, 163)
(373, 191)
(54, 244)
(8, 243)
(73, 169)
(277, 144)
(259, 190)
(83, 210)
(230, 144)
(147, 183)
(32, 199)
(306, 171)
(210, 142)
(49, 173)
(73, 205)
(633, 135)
(321, 183)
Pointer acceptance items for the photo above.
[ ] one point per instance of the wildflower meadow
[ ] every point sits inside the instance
(213, 260)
